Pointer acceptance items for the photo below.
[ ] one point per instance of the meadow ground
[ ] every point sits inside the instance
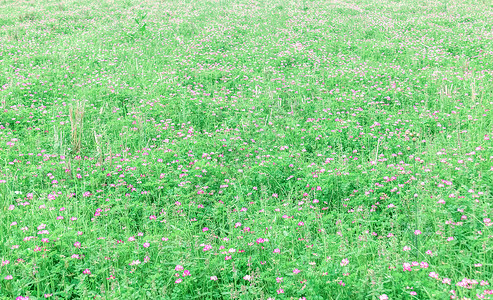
(246, 149)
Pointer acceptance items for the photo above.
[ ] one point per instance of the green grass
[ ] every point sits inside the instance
(246, 149)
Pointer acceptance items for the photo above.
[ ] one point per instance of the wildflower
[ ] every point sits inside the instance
(178, 268)
(247, 277)
(87, 272)
(344, 262)
(135, 262)
(406, 267)
(8, 277)
(296, 271)
(146, 245)
(383, 297)
(213, 278)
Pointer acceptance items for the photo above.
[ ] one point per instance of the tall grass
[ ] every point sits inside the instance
(246, 149)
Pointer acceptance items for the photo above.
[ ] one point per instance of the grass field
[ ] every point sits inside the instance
(246, 149)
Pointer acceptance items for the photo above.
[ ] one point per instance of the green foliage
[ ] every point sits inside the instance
(245, 150)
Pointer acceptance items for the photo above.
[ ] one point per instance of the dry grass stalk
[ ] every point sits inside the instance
(76, 123)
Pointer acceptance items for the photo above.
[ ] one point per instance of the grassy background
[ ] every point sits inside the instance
(257, 144)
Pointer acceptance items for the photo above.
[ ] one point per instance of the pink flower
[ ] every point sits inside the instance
(383, 297)
(279, 279)
(178, 268)
(87, 272)
(146, 245)
(301, 224)
(205, 229)
(213, 278)
(406, 267)
(186, 273)
(344, 262)
(8, 277)
(178, 280)
(277, 250)
(247, 277)
(417, 232)
(406, 248)
(280, 291)
(135, 262)
(296, 271)
(413, 293)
